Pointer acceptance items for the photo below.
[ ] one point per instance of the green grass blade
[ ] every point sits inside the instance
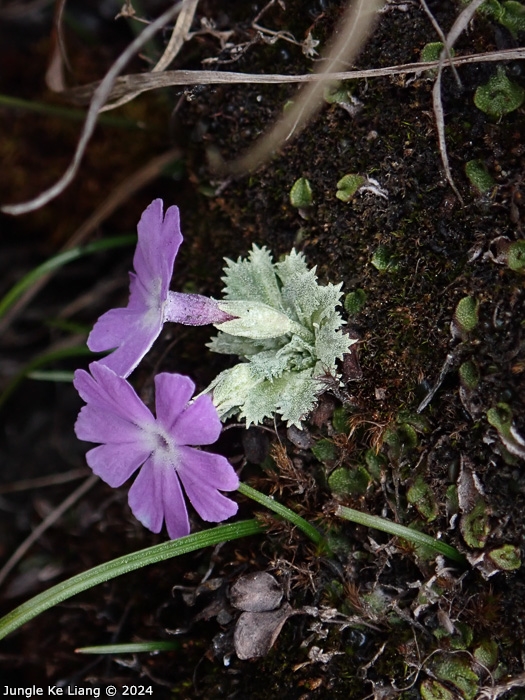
(131, 648)
(58, 261)
(309, 530)
(406, 533)
(123, 565)
(51, 375)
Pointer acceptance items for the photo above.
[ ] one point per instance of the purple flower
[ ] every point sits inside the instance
(132, 437)
(133, 329)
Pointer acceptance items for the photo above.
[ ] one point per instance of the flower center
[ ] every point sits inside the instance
(161, 443)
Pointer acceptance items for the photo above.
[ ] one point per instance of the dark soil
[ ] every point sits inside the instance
(378, 617)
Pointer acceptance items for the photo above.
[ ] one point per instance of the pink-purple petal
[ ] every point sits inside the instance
(140, 298)
(110, 330)
(198, 468)
(105, 390)
(172, 393)
(199, 424)
(115, 463)
(175, 511)
(156, 496)
(142, 333)
(96, 425)
(145, 497)
(211, 505)
(158, 244)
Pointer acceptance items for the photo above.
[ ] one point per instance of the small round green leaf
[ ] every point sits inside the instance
(348, 186)
(301, 194)
(516, 256)
(478, 176)
(499, 95)
(466, 313)
(506, 558)
(354, 301)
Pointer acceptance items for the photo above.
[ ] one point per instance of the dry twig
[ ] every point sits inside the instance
(355, 27)
(99, 99)
(118, 196)
(458, 27)
(177, 39)
(143, 82)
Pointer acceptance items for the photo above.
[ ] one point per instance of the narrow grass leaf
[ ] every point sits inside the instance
(123, 565)
(407, 533)
(308, 529)
(58, 261)
(131, 648)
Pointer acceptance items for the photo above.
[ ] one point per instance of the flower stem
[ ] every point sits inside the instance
(407, 533)
(267, 501)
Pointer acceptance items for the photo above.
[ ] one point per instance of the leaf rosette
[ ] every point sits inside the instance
(287, 333)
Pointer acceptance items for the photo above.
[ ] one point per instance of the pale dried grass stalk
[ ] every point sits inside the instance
(355, 28)
(118, 196)
(455, 32)
(99, 99)
(50, 520)
(177, 39)
(144, 82)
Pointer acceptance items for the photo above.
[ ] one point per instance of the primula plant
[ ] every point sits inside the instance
(286, 331)
(281, 323)
(288, 336)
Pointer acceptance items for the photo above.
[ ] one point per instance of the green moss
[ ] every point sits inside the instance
(466, 313)
(349, 482)
(457, 670)
(382, 259)
(469, 375)
(348, 186)
(432, 51)
(462, 638)
(421, 497)
(340, 420)
(499, 95)
(478, 176)
(375, 463)
(506, 558)
(400, 440)
(475, 526)
(516, 256)
(500, 417)
(486, 653)
(513, 16)
(325, 450)
(452, 499)
(301, 194)
(434, 690)
(510, 14)
(337, 95)
(416, 420)
(354, 301)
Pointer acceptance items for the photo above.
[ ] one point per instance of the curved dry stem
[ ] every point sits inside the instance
(143, 82)
(118, 196)
(355, 28)
(177, 39)
(99, 99)
(45, 525)
(455, 32)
